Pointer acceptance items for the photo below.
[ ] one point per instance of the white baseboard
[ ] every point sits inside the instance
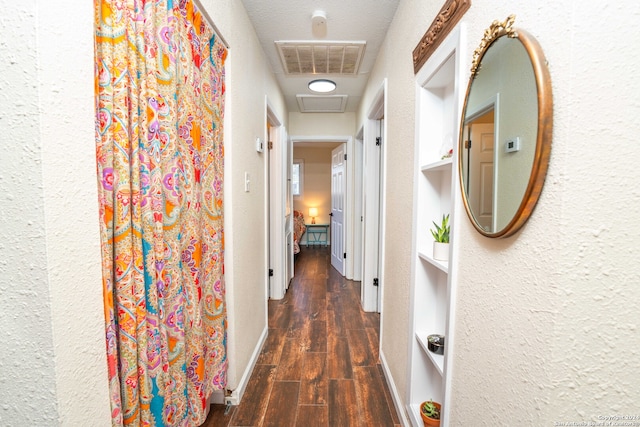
(234, 397)
(397, 402)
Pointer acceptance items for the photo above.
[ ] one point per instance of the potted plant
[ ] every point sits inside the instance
(441, 236)
(430, 413)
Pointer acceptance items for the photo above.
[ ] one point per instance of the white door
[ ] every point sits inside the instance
(338, 195)
(281, 249)
(372, 187)
(481, 174)
(288, 220)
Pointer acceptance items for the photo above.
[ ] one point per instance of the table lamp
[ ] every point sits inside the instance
(313, 213)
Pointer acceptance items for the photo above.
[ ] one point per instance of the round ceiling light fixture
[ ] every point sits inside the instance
(322, 85)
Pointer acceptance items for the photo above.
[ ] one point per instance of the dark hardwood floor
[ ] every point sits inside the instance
(319, 365)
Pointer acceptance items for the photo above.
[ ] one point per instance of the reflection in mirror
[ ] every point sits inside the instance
(477, 166)
(505, 131)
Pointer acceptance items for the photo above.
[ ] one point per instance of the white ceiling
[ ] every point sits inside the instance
(346, 21)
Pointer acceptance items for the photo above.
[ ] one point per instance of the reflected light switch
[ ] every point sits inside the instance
(512, 145)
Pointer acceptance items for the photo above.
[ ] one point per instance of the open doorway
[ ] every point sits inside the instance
(322, 195)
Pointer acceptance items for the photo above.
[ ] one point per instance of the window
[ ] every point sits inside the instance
(297, 177)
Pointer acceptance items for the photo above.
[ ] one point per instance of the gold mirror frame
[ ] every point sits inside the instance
(545, 123)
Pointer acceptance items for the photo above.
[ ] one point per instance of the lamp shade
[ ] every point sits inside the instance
(313, 212)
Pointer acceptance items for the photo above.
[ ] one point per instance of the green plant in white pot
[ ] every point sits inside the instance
(441, 236)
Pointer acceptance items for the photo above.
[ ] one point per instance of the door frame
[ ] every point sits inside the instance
(374, 203)
(348, 215)
(491, 103)
(275, 205)
(357, 219)
(338, 259)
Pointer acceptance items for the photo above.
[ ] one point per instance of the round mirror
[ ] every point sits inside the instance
(505, 139)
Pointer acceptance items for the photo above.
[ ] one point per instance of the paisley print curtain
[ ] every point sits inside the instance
(159, 113)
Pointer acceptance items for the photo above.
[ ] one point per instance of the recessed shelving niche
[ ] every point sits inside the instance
(440, 88)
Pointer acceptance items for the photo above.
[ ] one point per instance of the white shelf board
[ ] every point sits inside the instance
(414, 414)
(441, 265)
(439, 166)
(437, 359)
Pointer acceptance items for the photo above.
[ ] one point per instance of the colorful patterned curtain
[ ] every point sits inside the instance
(160, 104)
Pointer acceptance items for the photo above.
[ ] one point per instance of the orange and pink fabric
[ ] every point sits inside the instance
(160, 89)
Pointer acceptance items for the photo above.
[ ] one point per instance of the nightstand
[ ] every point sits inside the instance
(317, 234)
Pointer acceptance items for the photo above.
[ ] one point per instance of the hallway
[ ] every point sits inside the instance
(319, 365)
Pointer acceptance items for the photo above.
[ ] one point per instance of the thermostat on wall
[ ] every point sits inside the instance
(512, 145)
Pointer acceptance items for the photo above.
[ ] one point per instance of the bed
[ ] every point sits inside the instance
(298, 230)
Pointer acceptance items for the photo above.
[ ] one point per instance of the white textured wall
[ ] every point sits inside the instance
(27, 370)
(569, 279)
(531, 326)
(249, 80)
(322, 124)
(53, 357)
(395, 63)
(65, 64)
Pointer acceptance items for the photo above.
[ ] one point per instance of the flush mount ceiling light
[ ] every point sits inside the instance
(322, 85)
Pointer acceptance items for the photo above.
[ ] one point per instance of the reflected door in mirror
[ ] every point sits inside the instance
(479, 158)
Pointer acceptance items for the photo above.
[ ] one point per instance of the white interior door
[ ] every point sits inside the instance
(288, 221)
(338, 199)
(370, 287)
(279, 218)
(481, 173)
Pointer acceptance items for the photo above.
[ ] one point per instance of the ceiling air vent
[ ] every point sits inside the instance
(320, 57)
(322, 104)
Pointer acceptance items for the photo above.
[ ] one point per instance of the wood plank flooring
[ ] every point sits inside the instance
(319, 365)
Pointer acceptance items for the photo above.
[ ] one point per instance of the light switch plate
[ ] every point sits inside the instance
(512, 145)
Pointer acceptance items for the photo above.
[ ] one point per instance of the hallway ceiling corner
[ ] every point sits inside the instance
(345, 53)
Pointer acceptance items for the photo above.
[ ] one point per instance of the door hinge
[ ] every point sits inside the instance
(378, 141)
(467, 144)
(375, 282)
(271, 272)
(345, 255)
(345, 157)
(270, 145)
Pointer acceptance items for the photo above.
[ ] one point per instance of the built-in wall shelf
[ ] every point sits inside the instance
(440, 94)
(441, 265)
(443, 165)
(437, 359)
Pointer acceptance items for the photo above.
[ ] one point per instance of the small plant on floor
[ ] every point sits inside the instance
(441, 232)
(430, 410)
